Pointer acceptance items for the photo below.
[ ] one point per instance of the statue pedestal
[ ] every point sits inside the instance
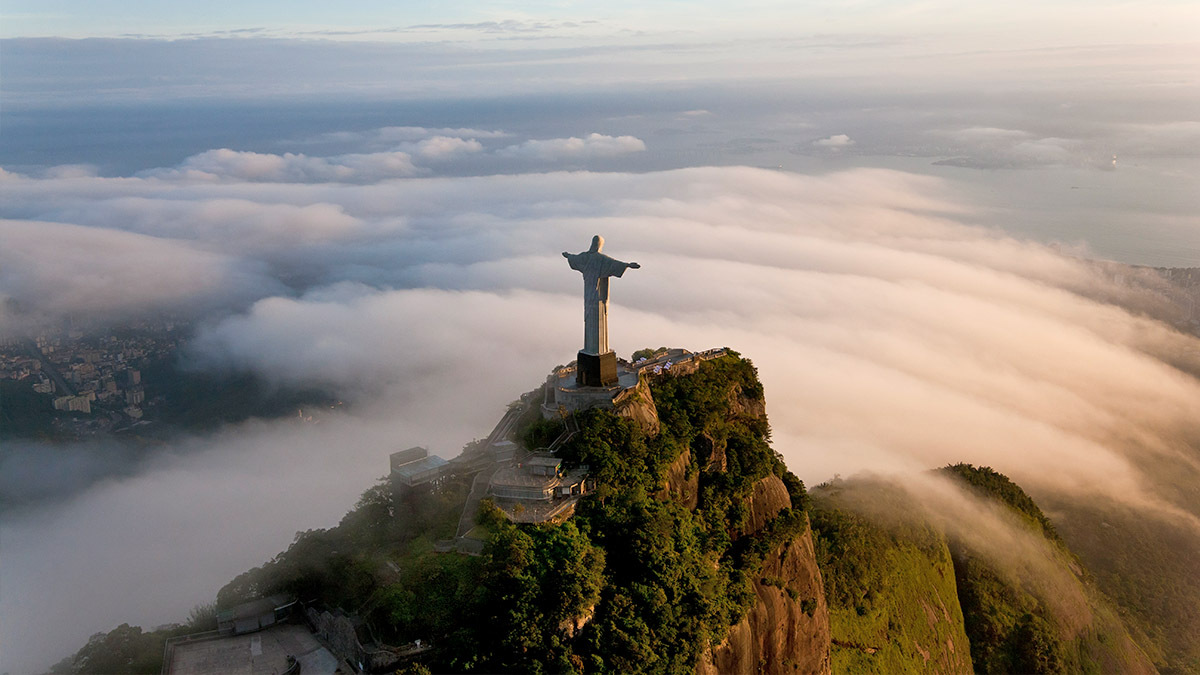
(594, 370)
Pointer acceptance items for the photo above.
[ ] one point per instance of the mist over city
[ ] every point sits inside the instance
(941, 234)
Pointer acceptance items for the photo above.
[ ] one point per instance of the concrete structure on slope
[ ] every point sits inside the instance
(415, 466)
(258, 614)
(563, 393)
(538, 489)
(280, 649)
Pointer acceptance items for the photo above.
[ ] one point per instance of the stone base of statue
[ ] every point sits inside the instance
(567, 391)
(594, 370)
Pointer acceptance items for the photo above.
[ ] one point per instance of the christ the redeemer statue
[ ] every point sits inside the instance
(597, 364)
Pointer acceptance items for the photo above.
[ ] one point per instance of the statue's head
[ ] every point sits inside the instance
(597, 244)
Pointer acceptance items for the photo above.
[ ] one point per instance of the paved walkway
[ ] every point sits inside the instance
(480, 485)
(471, 508)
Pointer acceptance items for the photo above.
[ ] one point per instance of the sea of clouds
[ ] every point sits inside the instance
(893, 333)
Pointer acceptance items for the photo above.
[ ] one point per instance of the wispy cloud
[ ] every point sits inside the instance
(834, 142)
(226, 164)
(574, 148)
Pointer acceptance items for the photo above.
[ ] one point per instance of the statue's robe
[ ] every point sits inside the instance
(596, 269)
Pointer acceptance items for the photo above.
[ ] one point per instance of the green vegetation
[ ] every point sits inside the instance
(664, 601)
(676, 579)
(987, 482)
(906, 597)
(1009, 628)
(1148, 566)
(533, 582)
(645, 353)
(124, 649)
(129, 649)
(893, 606)
(340, 567)
(539, 433)
(637, 581)
(1012, 628)
(24, 412)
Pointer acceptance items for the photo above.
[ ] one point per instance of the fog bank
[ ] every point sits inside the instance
(892, 333)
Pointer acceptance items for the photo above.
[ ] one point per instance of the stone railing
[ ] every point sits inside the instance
(171, 643)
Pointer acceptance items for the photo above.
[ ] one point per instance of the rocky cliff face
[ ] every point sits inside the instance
(744, 405)
(787, 630)
(769, 497)
(680, 485)
(637, 404)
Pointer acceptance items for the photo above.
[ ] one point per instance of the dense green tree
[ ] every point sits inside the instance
(988, 482)
(124, 649)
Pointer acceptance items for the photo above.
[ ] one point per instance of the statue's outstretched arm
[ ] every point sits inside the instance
(635, 266)
(566, 255)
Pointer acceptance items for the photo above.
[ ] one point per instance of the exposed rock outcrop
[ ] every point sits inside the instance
(769, 497)
(337, 632)
(711, 453)
(638, 405)
(679, 486)
(787, 630)
(743, 405)
(572, 626)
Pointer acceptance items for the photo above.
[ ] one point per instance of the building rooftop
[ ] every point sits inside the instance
(420, 466)
(261, 653)
(403, 457)
(511, 476)
(255, 607)
(543, 460)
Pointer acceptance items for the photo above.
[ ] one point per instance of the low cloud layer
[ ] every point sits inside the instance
(574, 148)
(414, 151)
(292, 167)
(1021, 554)
(49, 271)
(833, 142)
(891, 331)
